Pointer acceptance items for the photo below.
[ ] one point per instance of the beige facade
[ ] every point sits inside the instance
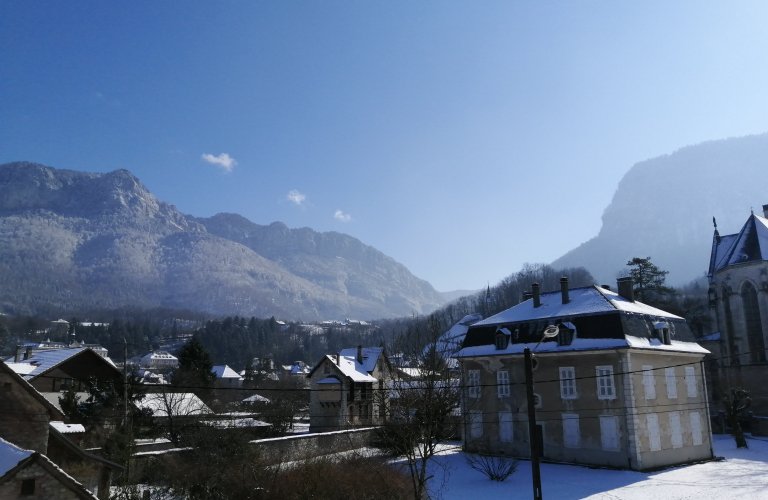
(585, 418)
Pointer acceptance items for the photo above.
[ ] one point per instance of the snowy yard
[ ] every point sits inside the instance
(743, 475)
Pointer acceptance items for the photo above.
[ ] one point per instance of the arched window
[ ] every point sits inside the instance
(733, 348)
(753, 323)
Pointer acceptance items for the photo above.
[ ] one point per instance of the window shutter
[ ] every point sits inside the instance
(674, 426)
(649, 382)
(696, 428)
(571, 434)
(654, 436)
(505, 426)
(502, 383)
(690, 381)
(568, 382)
(609, 432)
(605, 386)
(474, 383)
(669, 375)
(475, 424)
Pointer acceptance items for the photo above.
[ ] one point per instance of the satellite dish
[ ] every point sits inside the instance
(551, 331)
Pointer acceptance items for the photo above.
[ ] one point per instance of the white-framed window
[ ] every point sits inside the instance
(671, 380)
(676, 429)
(474, 383)
(505, 426)
(696, 428)
(605, 386)
(649, 382)
(568, 382)
(571, 433)
(502, 383)
(609, 432)
(475, 424)
(654, 435)
(690, 381)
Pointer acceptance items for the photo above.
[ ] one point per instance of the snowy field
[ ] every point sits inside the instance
(743, 475)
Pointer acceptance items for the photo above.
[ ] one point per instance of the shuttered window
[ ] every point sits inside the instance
(675, 429)
(502, 383)
(669, 376)
(696, 428)
(475, 424)
(609, 432)
(505, 426)
(649, 382)
(690, 381)
(605, 386)
(571, 433)
(474, 383)
(654, 436)
(567, 382)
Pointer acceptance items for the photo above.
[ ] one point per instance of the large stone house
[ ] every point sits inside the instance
(621, 385)
(738, 300)
(347, 389)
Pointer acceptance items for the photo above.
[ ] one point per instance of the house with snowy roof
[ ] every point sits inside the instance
(342, 388)
(160, 361)
(738, 302)
(226, 377)
(621, 385)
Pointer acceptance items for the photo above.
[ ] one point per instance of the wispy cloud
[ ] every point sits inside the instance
(339, 215)
(296, 197)
(223, 161)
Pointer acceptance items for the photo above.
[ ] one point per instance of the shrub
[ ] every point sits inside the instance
(495, 468)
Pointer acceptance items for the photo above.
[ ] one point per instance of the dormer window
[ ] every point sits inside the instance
(567, 331)
(661, 330)
(502, 339)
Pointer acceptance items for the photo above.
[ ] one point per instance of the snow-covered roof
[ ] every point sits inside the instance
(225, 372)
(330, 380)
(583, 301)
(159, 355)
(44, 361)
(451, 341)
(349, 366)
(256, 399)
(11, 455)
(370, 356)
(179, 404)
(584, 345)
(748, 245)
(235, 423)
(67, 428)
(21, 368)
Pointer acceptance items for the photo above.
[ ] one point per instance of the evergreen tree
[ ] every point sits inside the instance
(195, 367)
(648, 278)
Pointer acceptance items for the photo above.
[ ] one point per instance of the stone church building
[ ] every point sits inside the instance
(738, 300)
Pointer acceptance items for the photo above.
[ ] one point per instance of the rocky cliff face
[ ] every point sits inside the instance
(663, 208)
(78, 240)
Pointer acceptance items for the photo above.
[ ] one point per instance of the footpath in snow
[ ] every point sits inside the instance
(743, 475)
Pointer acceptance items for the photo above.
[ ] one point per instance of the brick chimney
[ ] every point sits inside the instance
(360, 354)
(17, 356)
(536, 297)
(564, 290)
(626, 288)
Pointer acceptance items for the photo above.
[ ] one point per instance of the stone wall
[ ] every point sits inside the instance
(303, 446)
(47, 487)
(23, 419)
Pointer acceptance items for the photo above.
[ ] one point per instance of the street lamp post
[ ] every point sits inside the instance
(549, 332)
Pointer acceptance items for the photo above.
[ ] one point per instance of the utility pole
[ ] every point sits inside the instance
(533, 435)
(125, 384)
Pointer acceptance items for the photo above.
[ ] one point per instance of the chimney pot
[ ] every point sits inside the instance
(564, 289)
(360, 354)
(536, 297)
(17, 356)
(605, 287)
(28, 353)
(765, 211)
(626, 288)
(527, 295)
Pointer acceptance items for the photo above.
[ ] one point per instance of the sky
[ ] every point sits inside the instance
(463, 139)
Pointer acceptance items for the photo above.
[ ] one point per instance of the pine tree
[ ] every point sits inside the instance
(648, 278)
(195, 368)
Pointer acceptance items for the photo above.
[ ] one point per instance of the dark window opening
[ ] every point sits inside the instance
(28, 487)
(753, 323)
(565, 337)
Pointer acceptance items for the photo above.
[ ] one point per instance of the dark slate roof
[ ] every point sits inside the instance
(749, 245)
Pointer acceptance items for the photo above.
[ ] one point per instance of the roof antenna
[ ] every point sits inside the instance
(714, 221)
(751, 210)
(717, 233)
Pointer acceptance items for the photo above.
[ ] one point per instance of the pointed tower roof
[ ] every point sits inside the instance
(749, 245)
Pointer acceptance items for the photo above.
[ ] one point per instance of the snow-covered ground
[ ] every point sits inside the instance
(743, 475)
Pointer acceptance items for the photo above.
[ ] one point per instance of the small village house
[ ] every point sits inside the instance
(342, 389)
(621, 385)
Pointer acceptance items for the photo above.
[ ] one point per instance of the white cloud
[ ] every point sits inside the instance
(223, 161)
(342, 216)
(296, 197)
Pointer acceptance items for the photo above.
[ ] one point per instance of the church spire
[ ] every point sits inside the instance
(717, 233)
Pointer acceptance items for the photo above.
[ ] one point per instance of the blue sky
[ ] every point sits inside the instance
(461, 138)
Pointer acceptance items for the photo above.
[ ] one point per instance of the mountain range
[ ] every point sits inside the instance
(663, 209)
(75, 241)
